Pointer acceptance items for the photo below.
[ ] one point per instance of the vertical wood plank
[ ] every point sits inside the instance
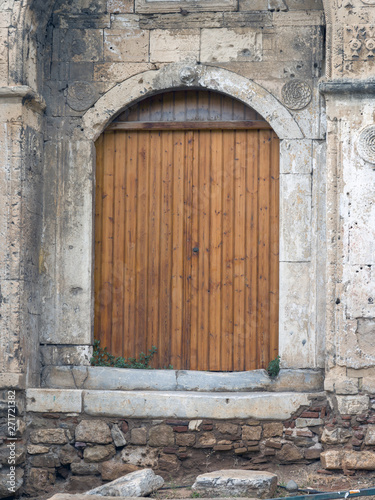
(178, 250)
(153, 282)
(240, 257)
(165, 248)
(227, 249)
(216, 240)
(188, 181)
(116, 346)
(263, 244)
(195, 344)
(251, 299)
(130, 243)
(274, 248)
(141, 295)
(107, 242)
(204, 208)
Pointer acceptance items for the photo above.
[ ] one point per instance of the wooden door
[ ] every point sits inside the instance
(186, 246)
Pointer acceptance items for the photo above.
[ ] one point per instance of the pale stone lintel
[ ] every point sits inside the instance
(347, 87)
(12, 381)
(26, 93)
(54, 401)
(226, 405)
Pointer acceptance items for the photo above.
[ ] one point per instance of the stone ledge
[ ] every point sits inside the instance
(119, 379)
(26, 93)
(52, 400)
(167, 404)
(347, 87)
(226, 405)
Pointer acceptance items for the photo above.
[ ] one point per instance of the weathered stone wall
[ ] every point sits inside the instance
(270, 59)
(76, 452)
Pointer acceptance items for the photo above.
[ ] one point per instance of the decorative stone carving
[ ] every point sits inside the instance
(368, 2)
(81, 96)
(188, 74)
(296, 94)
(359, 42)
(366, 144)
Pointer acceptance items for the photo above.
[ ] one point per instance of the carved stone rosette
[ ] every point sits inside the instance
(81, 96)
(296, 94)
(366, 144)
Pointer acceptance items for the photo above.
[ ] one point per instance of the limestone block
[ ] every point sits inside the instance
(251, 433)
(370, 435)
(235, 483)
(296, 156)
(118, 72)
(296, 346)
(5, 19)
(218, 382)
(65, 355)
(205, 440)
(3, 46)
(17, 453)
(3, 74)
(336, 436)
(93, 431)
(124, 21)
(298, 380)
(52, 400)
(224, 45)
(174, 45)
(68, 454)
(112, 469)
(138, 436)
(159, 404)
(331, 459)
(359, 460)
(136, 484)
(50, 436)
(272, 429)
(120, 6)
(141, 456)
(308, 422)
(360, 290)
(336, 380)
(295, 238)
(289, 453)
(84, 469)
(117, 436)
(352, 405)
(99, 453)
(77, 45)
(129, 44)
(161, 435)
(185, 20)
(33, 449)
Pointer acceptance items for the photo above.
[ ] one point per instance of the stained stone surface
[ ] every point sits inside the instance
(236, 483)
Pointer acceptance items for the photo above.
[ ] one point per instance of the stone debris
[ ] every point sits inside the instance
(136, 484)
(234, 483)
(291, 485)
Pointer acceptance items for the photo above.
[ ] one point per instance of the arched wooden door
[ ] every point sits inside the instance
(186, 234)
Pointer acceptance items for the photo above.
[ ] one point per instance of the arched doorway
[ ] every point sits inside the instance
(186, 233)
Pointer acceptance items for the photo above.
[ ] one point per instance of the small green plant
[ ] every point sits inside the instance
(195, 494)
(274, 367)
(101, 357)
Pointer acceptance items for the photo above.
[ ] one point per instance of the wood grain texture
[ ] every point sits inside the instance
(187, 239)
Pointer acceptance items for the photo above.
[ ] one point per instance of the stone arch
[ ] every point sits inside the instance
(175, 76)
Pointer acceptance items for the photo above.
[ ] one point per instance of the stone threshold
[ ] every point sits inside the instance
(120, 379)
(168, 404)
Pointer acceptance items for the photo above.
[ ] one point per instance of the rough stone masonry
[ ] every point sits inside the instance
(67, 69)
